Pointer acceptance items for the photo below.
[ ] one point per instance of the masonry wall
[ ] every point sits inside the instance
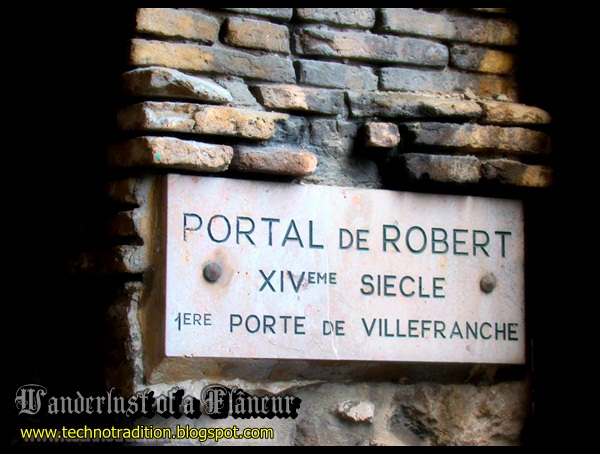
(380, 98)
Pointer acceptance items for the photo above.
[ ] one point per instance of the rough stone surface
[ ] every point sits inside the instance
(356, 411)
(127, 260)
(124, 259)
(400, 105)
(292, 97)
(353, 17)
(277, 13)
(416, 22)
(336, 75)
(485, 86)
(495, 32)
(333, 137)
(293, 132)
(254, 34)
(123, 347)
(130, 191)
(275, 161)
(334, 143)
(178, 24)
(171, 153)
(462, 415)
(169, 83)
(476, 138)
(369, 47)
(382, 135)
(125, 225)
(441, 169)
(199, 119)
(316, 431)
(482, 60)
(195, 58)
(513, 114)
(513, 173)
(239, 90)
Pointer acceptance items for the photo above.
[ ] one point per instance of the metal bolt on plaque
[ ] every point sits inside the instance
(212, 272)
(489, 283)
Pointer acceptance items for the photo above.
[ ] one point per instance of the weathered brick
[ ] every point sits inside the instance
(126, 260)
(482, 60)
(199, 119)
(333, 137)
(131, 191)
(513, 173)
(513, 114)
(260, 35)
(401, 105)
(171, 153)
(485, 86)
(169, 83)
(441, 169)
(346, 171)
(292, 132)
(190, 57)
(353, 17)
(496, 32)
(370, 47)
(492, 32)
(410, 21)
(382, 135)
(292, 97)
(276, 13)
(177, 23)
(476, 138)
(240, 92)
(117, 260)
(125, 225)
(336, 75)
(275, 161)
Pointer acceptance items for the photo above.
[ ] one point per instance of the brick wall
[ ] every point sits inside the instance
(260, 89)
(381, 98)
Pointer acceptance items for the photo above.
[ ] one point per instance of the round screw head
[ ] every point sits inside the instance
(488, 283)
(212, 272)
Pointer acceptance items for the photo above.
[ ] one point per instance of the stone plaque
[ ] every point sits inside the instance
(258, 270)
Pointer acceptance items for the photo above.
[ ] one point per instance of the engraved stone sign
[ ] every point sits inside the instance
(258, 270)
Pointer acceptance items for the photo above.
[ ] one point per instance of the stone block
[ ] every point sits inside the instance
(336, 75)
(284, 14)
(382, 135)
(479, 59)
(275, 161)
(351, 17)
(196, 58)
(199, 119)
(170, 153)
(514, 173)
(292, 97)
(487, 86)
(476, 138)
(175, 23)
(169, 83)
(476, 30)
(513, 114)
(441, 169)
(261, 35)
(401, 105)
(372, 48)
